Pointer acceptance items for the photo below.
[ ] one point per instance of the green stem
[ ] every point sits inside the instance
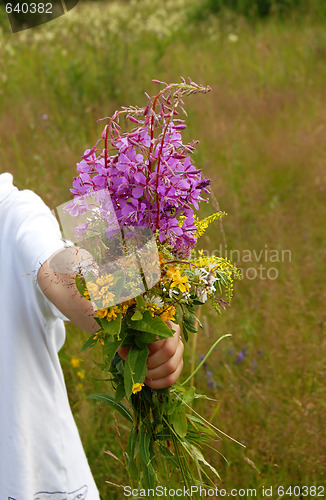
(205, 358)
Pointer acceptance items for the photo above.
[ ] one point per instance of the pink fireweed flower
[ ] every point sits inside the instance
(148, 172)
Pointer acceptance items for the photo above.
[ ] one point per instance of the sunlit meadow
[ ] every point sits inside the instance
(262, 135)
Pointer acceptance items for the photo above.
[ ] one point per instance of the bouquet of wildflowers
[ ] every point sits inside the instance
(143, 191)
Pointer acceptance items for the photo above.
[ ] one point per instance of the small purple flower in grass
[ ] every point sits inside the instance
(201, 357)
(210, 381)
(241, 355)
(44, 116)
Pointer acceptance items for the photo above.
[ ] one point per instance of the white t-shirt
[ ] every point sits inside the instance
(41, 455)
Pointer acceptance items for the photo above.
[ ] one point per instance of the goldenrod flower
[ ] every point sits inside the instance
(137, 387)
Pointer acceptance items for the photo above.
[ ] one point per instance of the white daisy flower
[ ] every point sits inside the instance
(155, 299)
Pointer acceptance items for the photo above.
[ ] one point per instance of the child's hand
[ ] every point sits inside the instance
(165, 360)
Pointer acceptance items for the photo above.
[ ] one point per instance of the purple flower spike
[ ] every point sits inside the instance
(148, 171)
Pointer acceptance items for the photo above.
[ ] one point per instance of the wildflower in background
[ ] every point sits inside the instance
(81, 375)
(233, 38)
(209, 376)
(75, 362)
(137, 388)
(241, 355)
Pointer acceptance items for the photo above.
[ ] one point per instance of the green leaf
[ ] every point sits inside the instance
(89, 342)
(112, 327)
(189, 395)
(179, 421)
(165, 452)
(120, 392)
(185, 332)
(153, 325)
(140, 302)
(146, 337)
(139, 343)
(111, 345)
(135, 368)
(80, 284)
(109, 400)
(145, 456)
(190, 327)
(199, 322)
(197, 455)
(136, 316)
(132, 447)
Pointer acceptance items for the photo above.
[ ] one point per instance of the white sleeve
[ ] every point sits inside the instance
(38, 238)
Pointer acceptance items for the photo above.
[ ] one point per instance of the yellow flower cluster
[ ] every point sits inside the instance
(99, 337)
(165, 313)
(222, 265)
(111, 313)
(168, 314)
(100, 289)
(203, 224)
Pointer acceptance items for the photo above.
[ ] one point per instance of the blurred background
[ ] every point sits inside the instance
(262, 133)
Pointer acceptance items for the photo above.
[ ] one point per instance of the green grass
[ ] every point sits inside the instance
(262, 140)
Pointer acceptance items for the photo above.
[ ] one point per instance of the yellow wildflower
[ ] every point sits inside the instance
(112, 313)
(102, 313)
(99, 338)
(137, 387)
(75, 362)
(179, 281)
(168, 314)
(81, 375)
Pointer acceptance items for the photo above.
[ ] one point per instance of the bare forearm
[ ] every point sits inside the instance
(61, 290)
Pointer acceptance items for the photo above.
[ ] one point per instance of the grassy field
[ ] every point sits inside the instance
(262, 135)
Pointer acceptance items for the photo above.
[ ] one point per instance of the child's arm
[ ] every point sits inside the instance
(60, 289)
